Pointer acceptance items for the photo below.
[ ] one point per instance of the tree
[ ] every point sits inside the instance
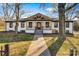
(62, 10)
(17, 8)
(7, 11)
(11, 11)
(18, 13)
(70, 15)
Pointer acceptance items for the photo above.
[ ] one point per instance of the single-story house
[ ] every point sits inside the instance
(39, 22)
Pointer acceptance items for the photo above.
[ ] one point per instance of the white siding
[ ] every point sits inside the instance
(8, 28)
(54, 28)
(34, 23)
(20, 28)
(47, 31)
(30, 31)
(70, 27)
(44, 25)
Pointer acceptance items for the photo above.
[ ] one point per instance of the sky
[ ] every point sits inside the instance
(33, 8)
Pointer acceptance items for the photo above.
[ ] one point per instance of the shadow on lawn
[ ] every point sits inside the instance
(54, 48)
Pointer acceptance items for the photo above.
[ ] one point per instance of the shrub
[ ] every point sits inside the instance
(11, 38)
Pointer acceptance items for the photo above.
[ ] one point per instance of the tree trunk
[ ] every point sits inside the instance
(61, 10)
(17, 17)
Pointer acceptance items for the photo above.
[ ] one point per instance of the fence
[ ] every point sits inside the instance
(74, 52)
(4, 50)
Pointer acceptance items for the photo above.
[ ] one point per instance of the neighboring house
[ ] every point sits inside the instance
(2, 25)
(38, 22)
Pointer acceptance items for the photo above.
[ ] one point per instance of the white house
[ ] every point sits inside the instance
(38, 22)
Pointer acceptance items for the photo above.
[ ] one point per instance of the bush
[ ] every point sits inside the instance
(25, 37)
(12, 38)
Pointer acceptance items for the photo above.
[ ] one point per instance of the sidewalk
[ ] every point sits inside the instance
(38, 47)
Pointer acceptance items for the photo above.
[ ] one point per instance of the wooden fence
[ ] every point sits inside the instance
(74, 52)
(4, 50)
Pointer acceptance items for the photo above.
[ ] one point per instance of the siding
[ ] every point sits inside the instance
(34, 23)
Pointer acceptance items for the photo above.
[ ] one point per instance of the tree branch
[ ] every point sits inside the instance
(70, 7)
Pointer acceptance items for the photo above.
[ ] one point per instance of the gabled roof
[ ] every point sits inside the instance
(36, 17)
(39, 16)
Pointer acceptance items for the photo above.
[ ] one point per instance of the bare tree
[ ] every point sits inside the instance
(7, 11)
(11, 11)
(71, 14)
(62, 10)
(18, 13)
(17, 8)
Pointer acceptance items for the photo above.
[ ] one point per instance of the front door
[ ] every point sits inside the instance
(38, 25)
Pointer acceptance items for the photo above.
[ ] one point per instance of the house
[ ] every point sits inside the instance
(2, 25)
(39, 22)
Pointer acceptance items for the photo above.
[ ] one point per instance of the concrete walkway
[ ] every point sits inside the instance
(38, 47)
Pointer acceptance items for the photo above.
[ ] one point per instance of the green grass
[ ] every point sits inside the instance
(25, 37)
(12, 38)
(18, 46)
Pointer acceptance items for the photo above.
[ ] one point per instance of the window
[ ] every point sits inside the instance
(55, 24)
(11, 24)
(22, 24)
(47, 24)
(67, 24)
(30, 24)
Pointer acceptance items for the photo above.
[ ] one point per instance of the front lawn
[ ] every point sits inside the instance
(17, 48)
(18, 44)
(4, 38)
(60, 47)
